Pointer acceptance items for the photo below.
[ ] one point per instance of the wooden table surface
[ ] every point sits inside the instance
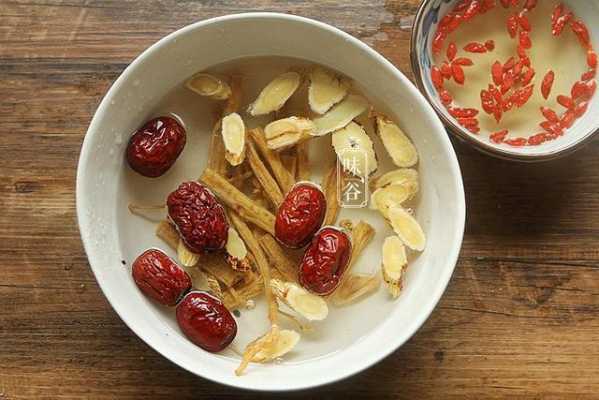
(520, 318)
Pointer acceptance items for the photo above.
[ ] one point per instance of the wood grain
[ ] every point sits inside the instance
(520, 318)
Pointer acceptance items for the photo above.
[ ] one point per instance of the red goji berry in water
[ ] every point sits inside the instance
(549, 114)
(530, 4)
(446, 70)
(581, 109)
(507, 83)
(465, 112)
(508, 105)
(467, 121)
(475, 47)
(499, 137)
(587, 76)
(438, 41)
(581, 32)
(497, 73)
(437, 78)
(517, 142)
(463, 61)
(487, 5)
(565, 101)
(592, 59)
(462, 5)
(591, 88)
(561, 23)
(554, 128)
(452, 50)
(525, 40)
(528, 76)
(445, 97)
(473, 129)
(537, 139)
(578, 90)
(472, 9)
(509, 64)
(490, 45)
(524, 95)
(568, 119)
(458, 74)
(524, 22)
(512, 26)
(547, 84)
(505, 3)
(455, 23)
(498, 111)
(558, 10)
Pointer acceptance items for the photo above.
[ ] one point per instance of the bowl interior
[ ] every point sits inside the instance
(352, 338)
(422, 59)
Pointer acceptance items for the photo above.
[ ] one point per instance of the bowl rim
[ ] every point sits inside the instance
(266, 385)
(463, 134)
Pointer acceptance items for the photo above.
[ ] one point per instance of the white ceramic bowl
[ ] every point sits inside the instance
(353, 338)
(581, 133)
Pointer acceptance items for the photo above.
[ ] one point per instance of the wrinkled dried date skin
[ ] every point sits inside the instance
(325, 261)
(199, 218)
(206, 321)
(154, 148)
(300, 215)
(159, 277)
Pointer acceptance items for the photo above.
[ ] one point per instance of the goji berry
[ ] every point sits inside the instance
(581, 32)
(445, 97)
(508, 105)
(537, 139)
(568, 119)
(509, 64)
(512, 25)
(591, 88)
(525, 40)
(523, 95)
(452, 50)
(467, 121)
(497, 73)
(438, 41)
(528, 76)
(499, 137)
(490, 45)
(475, 47)
(446, 70)
(549, 114)
(530, 4)
(558, 10)
(547, 84)
(458, 74)
(592, 59)
(437, 78)
(565, 101)
(463, 61)
(587, 76)
(554, 128)
(498, 111)
(516, 142)
(506, 85)
(578, 90)
(581, 109)
(560, 23)
(465, 112)
(524, 22)
(487, 5)
(473, 9)
(505, 3)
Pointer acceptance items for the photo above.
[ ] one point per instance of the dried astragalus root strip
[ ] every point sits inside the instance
(237, 254)
(303, 161)
(238, 201)
(268, 183)
(275, 94)
(398, 145)
(329, 187)
(341, 114)
(383, 198)
(274, 344)
(354, 148)
(233, 132)
(186, 257)
(237, 296)
(209, 86)
(287, 132)
(234, 101)
(361, 234)
(407, 228)
(273, 159)
(356, 286)
(263, 266)
(214, 286)
(394, 264)
(168, 233)
(279, 259)
(402, 176)
(325, 90)
(151, 213)
(304, 303)
(216, 151)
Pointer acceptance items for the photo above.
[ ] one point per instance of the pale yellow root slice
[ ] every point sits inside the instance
(361, 234)
(279, 259)
(238, 201)
(394, 264)
(407, 228)
(325, 90)
(275, 94)
(287, 132)
(304, 303)
(237, 254)
(234, 138)
(209, 86)
(389, 196)
(398, 145)
(329, 187)
(268, 183)
(263, 266)
(216, 151)
(237, 296)
(153, 213)
(274, 344)
(355, 150)
(214, 286)
(273, 161)
(304, 172)
(341, 114)
(212, 263)
(402, 176)
(234, 101)
(186, 257)
(357, 286)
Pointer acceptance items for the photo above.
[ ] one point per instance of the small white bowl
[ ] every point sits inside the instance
(353, 338)
(581, 133)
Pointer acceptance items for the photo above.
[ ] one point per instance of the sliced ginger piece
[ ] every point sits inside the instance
(355, 287)
(406, 227)
(398, 145)
(209, 86)
(341, 114)
(402, 176)
(234, 138)
(287, 132)
(354, 148)
(394, 264)
(325, 90)
(306, 304)
(186, 256)
(275, 94)
(237, 253)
